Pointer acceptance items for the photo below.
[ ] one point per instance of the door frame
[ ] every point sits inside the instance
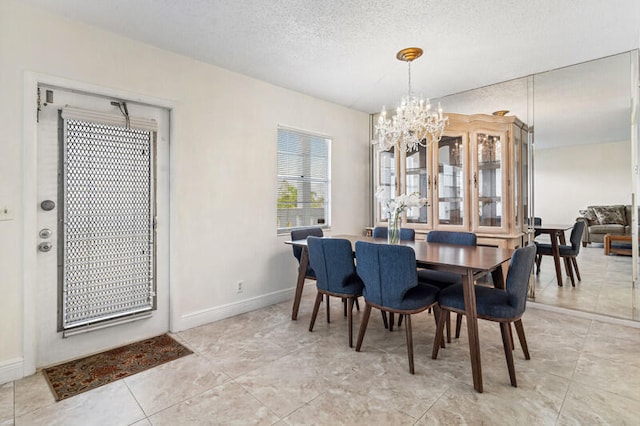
(29, 199)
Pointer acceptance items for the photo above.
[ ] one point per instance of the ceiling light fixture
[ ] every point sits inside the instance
(414, 124)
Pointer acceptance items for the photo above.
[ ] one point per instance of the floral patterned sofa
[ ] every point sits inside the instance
(602, 220)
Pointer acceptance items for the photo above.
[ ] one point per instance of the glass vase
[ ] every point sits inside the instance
(393, 233)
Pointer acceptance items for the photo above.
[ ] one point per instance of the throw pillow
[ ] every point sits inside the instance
(609, 214)
(588, 214)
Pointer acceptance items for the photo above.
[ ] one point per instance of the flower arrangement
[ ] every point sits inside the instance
(394, 207)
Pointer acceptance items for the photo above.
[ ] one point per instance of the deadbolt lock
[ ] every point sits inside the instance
(45, 246)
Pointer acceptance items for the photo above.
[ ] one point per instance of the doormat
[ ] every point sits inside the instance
(74, 377)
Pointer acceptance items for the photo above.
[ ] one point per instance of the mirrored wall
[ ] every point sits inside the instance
(584, 155)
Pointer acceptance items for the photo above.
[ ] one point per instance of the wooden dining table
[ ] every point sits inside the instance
(557, 237)
(470, 262)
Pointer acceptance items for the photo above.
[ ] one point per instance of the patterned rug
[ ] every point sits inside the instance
(81, 375)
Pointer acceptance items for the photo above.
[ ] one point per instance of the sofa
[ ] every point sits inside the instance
(602, 220)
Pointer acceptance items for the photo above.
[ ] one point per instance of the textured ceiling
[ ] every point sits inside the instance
(344, 50)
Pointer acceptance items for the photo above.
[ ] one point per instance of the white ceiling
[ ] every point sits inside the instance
(344, 50)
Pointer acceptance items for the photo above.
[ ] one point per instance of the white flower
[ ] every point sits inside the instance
(395, 206)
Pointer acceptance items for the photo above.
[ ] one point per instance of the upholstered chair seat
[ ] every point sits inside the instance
(444, 279)
(391, 285)
(504, 306)
(332, 261)
(569, 252)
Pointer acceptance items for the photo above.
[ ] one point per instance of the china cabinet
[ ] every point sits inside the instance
(475, 178)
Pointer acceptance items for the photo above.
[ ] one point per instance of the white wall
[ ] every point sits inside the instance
(223, 166)
(571, 178)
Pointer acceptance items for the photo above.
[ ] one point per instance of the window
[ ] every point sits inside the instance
(303, 180)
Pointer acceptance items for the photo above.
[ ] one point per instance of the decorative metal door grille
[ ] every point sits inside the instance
(108, 224)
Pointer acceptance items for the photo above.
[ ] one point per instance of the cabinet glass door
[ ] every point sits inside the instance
(417, 180)
(489, 180)
(387, 178)
(450, 202)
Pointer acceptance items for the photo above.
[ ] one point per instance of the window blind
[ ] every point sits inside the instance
(303, 179)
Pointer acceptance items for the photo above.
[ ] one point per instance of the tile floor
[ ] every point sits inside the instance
(605, 288)
(263, 368)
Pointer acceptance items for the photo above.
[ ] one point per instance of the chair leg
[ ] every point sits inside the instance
(513, 347)
(436, 317)
(357, 305)
(442, 314)
(344, 307)
(391, 320)
(538, 262)
(458, 325)
(568, 267)
(384, 319)
(363, 325)
(575, 266)
(407, 327)
(400, 320)
(350, 319)
(448, 326)
(328, 310)
(504, 329)
(316, 308)
(522, 338)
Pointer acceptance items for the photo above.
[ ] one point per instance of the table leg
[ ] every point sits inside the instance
(302, 272)
(556, 256)
(472, 329)
(497, 276)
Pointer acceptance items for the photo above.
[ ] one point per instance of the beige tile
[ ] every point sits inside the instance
(341, 407)
(585, 405)
(537, 400)
(32, 393)
(173, 382)
(292, 381)
(609, 373)
(6, 403)
(227, 404)
(111, 404)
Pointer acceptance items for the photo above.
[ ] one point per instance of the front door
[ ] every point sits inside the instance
(102, 217)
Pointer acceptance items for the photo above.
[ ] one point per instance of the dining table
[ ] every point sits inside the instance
(471, 262)
(557, 237)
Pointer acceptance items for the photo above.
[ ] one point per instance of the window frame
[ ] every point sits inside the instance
(305, 180)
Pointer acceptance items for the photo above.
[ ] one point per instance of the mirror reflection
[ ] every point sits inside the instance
(580, 121)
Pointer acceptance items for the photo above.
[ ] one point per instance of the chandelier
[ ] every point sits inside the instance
(415, 123)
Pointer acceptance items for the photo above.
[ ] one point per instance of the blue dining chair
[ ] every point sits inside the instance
(443, 279)
(569, 252)
(406, 234)
(301, 234)
(332, 261)
(505, 306)
(391, 285)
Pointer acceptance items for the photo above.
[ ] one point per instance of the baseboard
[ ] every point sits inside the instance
(12, 369)
(218, 313)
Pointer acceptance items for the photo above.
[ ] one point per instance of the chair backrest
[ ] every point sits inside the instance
(387, 272)
(517, 282)
(332, 261)
(451, 237)
(406, 234)
(576, 236)
(301, 234)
